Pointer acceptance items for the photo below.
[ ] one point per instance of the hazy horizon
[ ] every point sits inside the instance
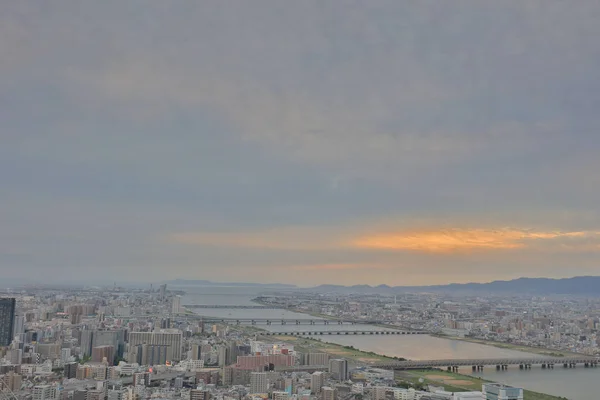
(386, 142)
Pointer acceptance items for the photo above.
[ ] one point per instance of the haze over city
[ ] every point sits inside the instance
(405, 143)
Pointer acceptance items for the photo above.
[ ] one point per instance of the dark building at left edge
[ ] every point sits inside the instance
(7, 319)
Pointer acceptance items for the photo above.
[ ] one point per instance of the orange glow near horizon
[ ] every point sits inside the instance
(459, 240)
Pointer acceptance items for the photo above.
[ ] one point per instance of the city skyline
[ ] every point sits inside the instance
(385, 143)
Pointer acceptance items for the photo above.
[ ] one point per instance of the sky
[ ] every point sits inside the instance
(309, 142)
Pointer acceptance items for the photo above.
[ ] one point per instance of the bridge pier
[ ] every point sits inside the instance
(565, 365)
(521, 366)
(449, 369)
(480, 367)
(543, 366)
(497, 368)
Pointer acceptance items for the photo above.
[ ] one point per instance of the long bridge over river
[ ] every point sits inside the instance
(499, 363)
(220, 306)
(292, 321)
(347, 332)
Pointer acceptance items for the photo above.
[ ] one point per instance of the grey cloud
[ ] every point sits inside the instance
(240, 115)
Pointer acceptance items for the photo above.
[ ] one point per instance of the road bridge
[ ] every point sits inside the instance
(221, 306)
(499, 363)
(348, 332)
(288, 321)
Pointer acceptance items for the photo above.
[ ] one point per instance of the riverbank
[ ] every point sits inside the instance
(353, 355)
(510, 346)
(454, 382)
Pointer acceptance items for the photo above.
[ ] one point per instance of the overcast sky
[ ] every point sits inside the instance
(307, 142)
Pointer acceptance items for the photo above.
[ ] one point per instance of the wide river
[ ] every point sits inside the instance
(574, 384)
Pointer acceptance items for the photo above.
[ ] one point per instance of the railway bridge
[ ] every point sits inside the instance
(221, 306)
(345, 332)
(499, 363)
(288, 321)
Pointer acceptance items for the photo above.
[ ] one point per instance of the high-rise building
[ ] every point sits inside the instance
(170, 339)
(114, 338)
(316, 382)
(259, 382)
(328, 393)
(198, 394)
(162, 292)
(496, 391)
(100, 353)
(176, 305)
(70, 370)
(45, 392)
(278, 360)
(16, 356)
(338, 368)
(380, 392)
(10, 381)
(141, 379)
(19, 325)
(236, 376)
(317, 359)
(65, 355)
(195, 352)
(85, 342)
(7, 320)
(222, 356)
(148, 354)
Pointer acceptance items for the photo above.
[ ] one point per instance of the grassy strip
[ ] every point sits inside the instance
(353, 355)
(454, 382)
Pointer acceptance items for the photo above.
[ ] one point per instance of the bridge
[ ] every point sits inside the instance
(284, 321)
(352, 332)
(221, 306)
(500, 363)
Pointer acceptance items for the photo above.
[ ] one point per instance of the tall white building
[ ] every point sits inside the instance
(259, 382)
(316, 382)
(328, 393)
(45, 392)
(65, 355)
(176, 305)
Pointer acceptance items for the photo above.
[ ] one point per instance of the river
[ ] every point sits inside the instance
(574, 384)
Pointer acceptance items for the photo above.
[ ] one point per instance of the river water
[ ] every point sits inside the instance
(574, 384)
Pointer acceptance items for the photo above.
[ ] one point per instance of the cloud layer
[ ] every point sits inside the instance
(236, 140)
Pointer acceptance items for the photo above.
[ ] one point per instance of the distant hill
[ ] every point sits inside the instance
(584, 285)
(192, 282)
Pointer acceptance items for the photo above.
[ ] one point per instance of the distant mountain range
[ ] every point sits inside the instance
(192, 282)
(584, 285)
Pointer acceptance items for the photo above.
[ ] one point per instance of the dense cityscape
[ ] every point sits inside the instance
(116, 343)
